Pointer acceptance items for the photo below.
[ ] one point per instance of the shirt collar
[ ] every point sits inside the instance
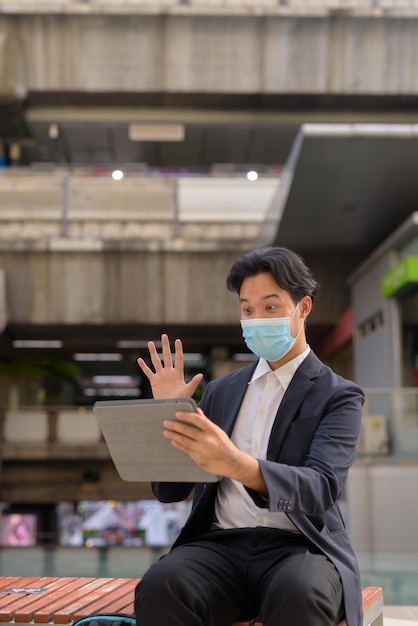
(285, 373)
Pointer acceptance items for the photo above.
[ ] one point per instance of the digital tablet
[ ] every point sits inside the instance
(133, 431)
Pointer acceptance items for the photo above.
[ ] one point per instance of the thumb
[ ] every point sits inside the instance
(193, 384)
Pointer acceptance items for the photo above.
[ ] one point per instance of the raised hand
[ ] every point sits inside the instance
(167, 379)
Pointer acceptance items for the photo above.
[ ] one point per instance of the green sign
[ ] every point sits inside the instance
(401, 279)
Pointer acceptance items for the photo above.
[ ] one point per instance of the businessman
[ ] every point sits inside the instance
(268, 539)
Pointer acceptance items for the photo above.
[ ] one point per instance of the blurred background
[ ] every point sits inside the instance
(144, 146)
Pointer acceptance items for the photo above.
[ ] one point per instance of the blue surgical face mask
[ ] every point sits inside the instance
(269, 338)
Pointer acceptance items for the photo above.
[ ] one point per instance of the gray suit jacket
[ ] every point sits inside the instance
(311, 448)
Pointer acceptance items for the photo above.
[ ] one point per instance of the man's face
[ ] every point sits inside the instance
(261, 297)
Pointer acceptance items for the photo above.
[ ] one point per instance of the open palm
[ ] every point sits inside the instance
(167, 379)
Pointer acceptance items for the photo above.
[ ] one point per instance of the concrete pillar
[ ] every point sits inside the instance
(12, 69)
(3, 304)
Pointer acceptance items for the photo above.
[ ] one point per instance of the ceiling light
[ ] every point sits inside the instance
(156, 132)
(136, 344)
(112, 391)
(117, 174)
(36, 343)
(53, 131)
(97, 356)
(113, 380)
(252, 175)
(244, 356)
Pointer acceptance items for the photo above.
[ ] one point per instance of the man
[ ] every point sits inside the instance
(268, 539)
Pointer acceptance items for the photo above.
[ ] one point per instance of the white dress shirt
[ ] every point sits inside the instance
(234, 508)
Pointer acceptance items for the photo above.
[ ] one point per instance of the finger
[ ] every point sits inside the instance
(166, 350)
(144, 367)
(201, 422)
(155, 359)
(196, 421)
(188, 419)
(179, 442)
(179, 355)
(180, 431)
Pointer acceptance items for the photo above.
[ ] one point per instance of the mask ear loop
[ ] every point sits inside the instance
(300, 327)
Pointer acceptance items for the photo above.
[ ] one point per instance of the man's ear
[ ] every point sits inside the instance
(305, 306)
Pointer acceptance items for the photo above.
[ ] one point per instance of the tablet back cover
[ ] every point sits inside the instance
(133, 431)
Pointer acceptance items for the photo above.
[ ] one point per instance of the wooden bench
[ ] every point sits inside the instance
(52, 600)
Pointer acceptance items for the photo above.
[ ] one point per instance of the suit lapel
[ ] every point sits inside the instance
(234, 395)
(295, 394)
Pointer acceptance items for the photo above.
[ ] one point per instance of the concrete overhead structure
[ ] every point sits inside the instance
(264, 47)
(241, 75)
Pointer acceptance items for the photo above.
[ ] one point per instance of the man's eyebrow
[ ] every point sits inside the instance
(270, 295)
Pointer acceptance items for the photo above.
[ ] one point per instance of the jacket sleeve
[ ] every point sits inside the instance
(309, 474)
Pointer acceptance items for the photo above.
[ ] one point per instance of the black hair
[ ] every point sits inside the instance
(288, 269)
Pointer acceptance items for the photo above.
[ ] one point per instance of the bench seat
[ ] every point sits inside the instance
(53, 600)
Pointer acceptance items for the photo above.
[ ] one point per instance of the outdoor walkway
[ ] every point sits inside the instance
(400, 615)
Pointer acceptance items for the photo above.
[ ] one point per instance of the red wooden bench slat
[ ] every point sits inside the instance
(119, 601)
(18, 602)
(55, 593)
(9, 601)
(20, 582)
(79, 588)
(370, 595)
(9, 581)
(128, 607)
(94, 601)
(56, 600)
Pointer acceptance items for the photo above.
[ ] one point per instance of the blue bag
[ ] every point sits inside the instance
(106, 619)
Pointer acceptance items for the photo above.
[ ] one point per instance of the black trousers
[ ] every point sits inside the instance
(227, 575)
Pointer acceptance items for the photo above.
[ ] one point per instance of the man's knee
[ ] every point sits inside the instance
(157, 579)
(313, 590)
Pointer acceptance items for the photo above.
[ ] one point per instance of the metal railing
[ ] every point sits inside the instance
(50, 425)
(41, 206)
(257, 7)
